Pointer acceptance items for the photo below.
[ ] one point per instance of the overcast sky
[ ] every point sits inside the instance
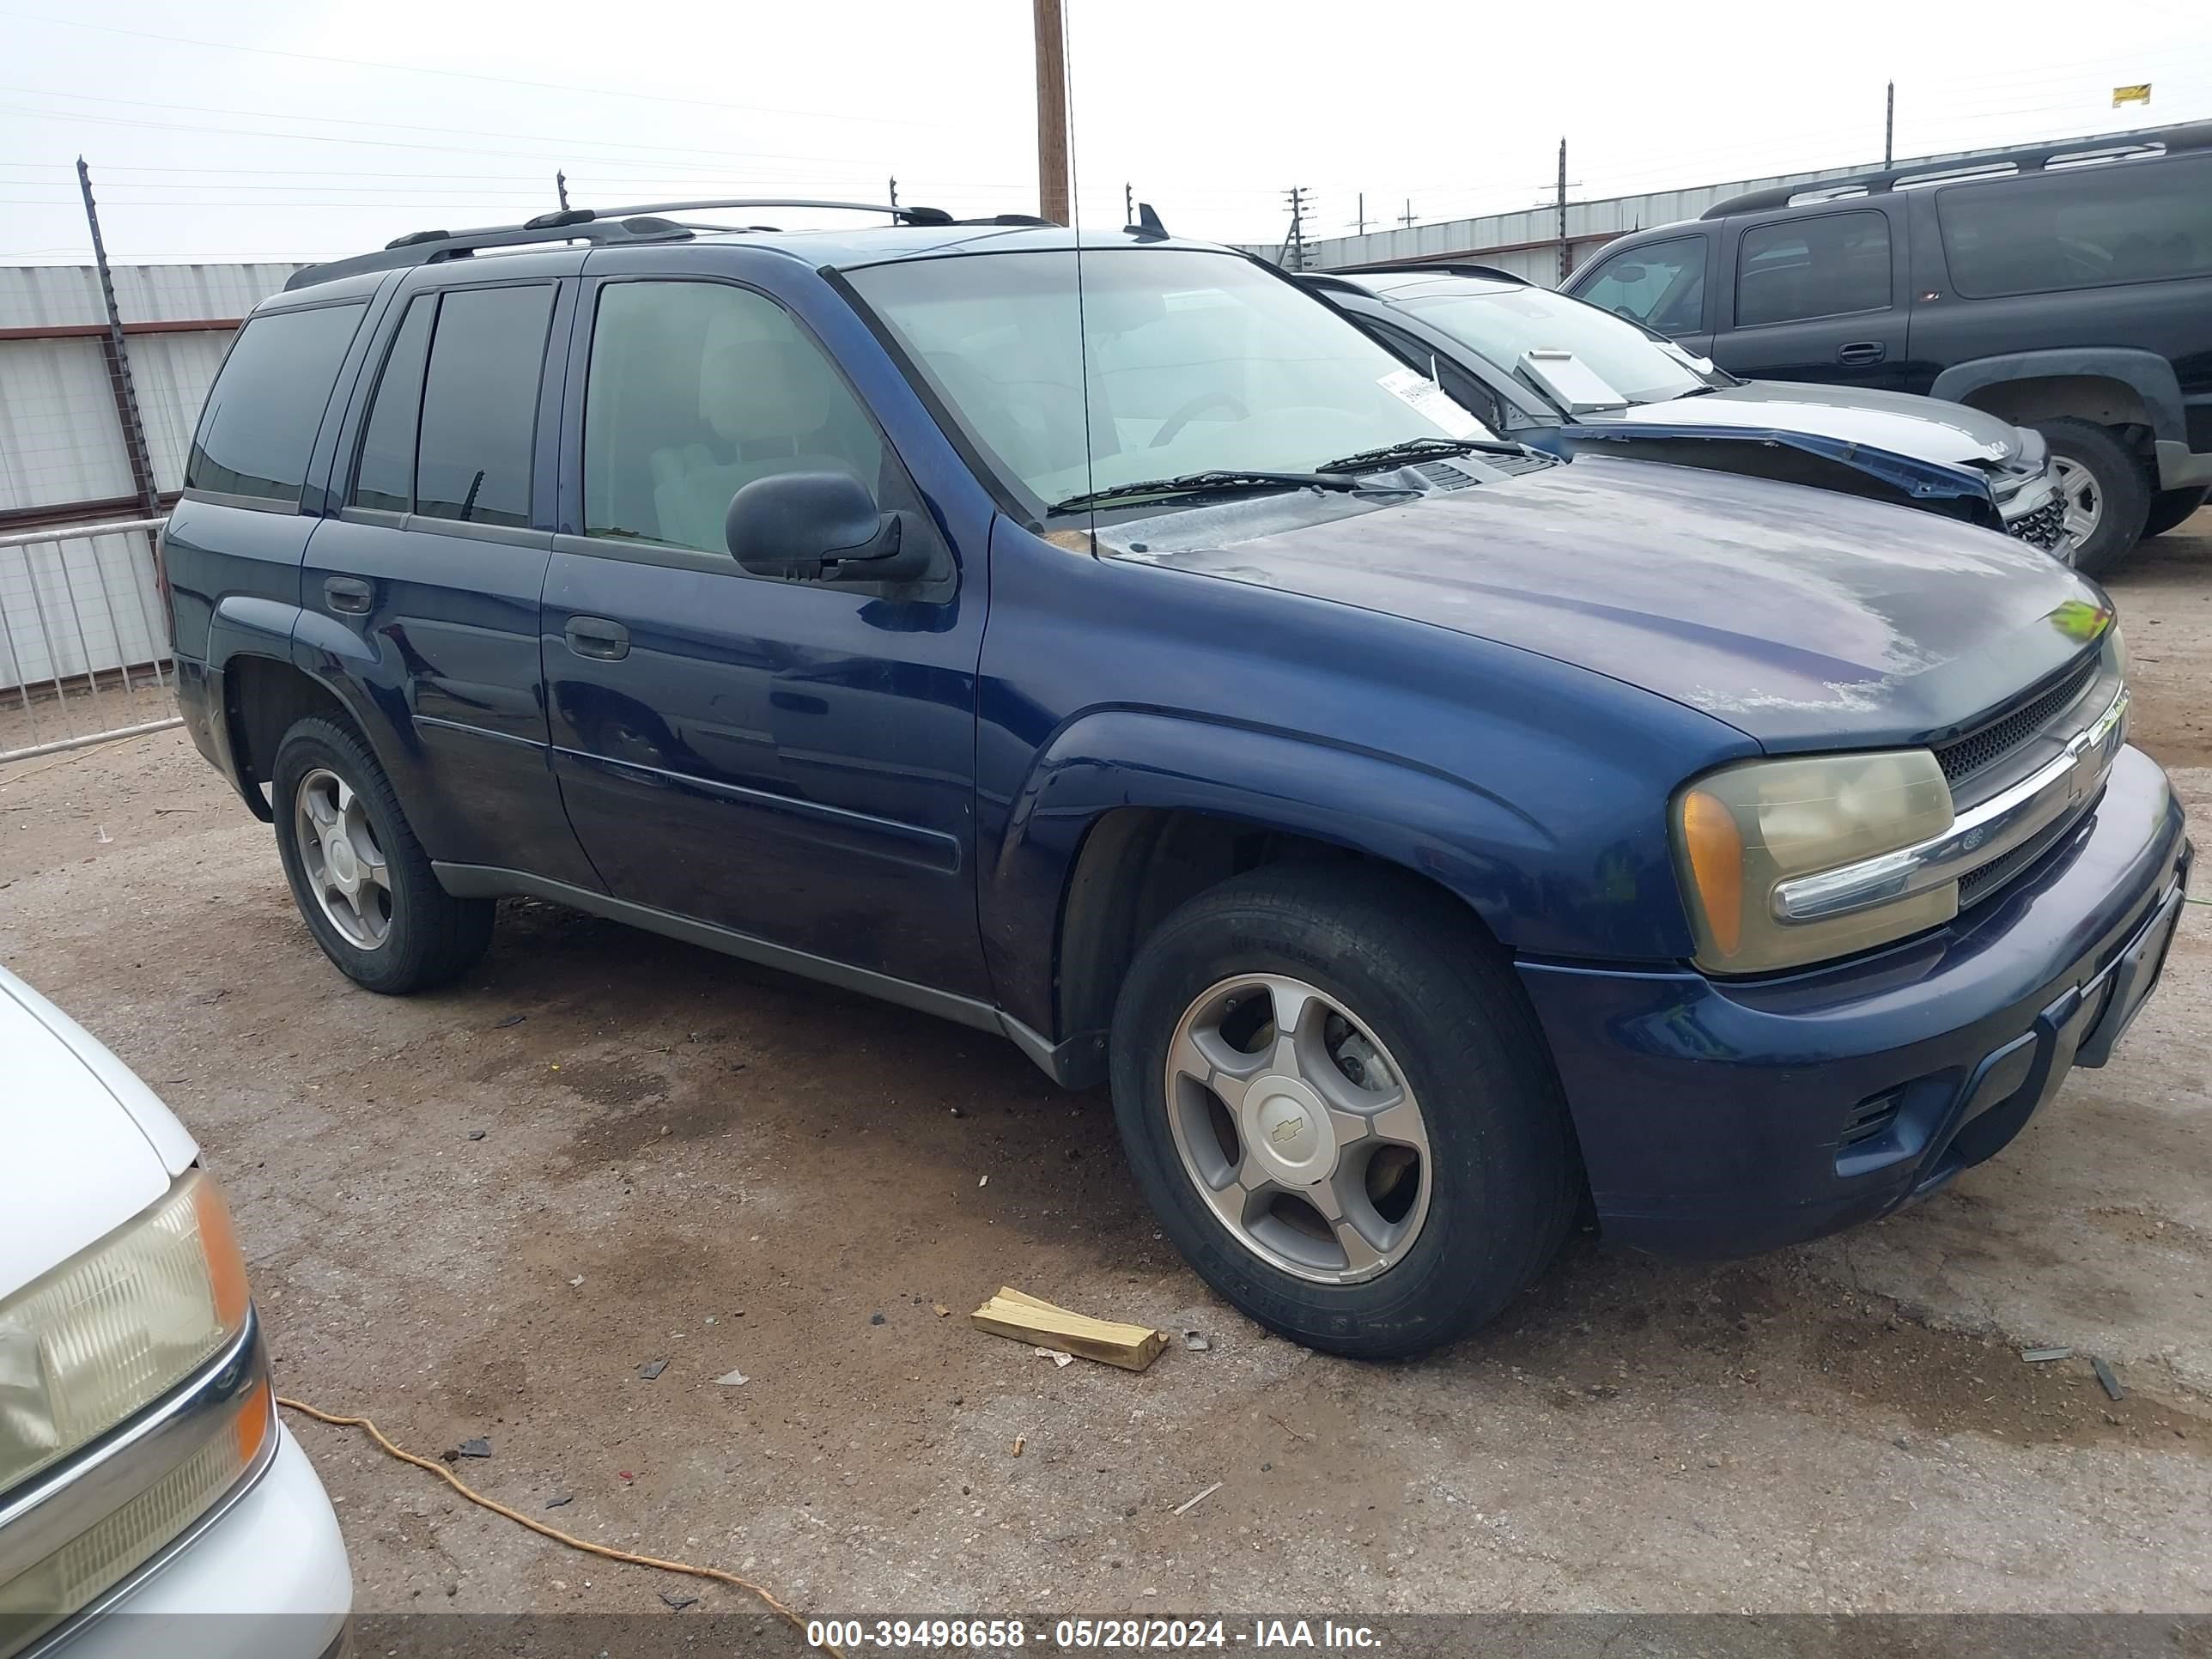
(231, 128)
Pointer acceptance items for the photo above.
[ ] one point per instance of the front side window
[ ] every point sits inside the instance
(1502, 324)
(480, 404)
(1829, 265)
(2085, 228)
(1193, 361)
(1661, 285)
(265, 406)
(696, 389)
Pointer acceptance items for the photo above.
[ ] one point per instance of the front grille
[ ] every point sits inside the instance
(1978, 885)
(2045, 527)
(1962, 757)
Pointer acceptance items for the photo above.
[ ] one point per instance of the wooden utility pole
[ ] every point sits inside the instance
(1406, 217)
(1564, 258)
(1359, 225)
(1889, 124)
(1052, 112)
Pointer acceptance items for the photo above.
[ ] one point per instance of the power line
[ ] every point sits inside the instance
(717, 105)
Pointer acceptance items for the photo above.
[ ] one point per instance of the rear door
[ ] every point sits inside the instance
(423, 589)
(1816, 297)
(790, 761)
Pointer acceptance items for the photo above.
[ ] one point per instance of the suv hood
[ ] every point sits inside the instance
(84, 1145)
(1926, 429)
(1807, 621)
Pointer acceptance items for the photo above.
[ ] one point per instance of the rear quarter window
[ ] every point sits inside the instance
(265, 406)
(2091, 226)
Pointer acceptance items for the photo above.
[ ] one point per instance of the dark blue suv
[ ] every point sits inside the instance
(1102, 641)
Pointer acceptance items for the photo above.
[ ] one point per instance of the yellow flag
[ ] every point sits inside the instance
(2131, 94)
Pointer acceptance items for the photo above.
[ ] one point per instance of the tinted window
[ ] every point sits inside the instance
(386, 478)
(1661, 285)
(264, 408)
(2126, 222)
(695, 390)
(1824, 266)
(480, 405)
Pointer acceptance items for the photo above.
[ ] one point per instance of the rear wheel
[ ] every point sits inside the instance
(359, 877)
(1338, 1103)
(2105, 490)
(2169, 507)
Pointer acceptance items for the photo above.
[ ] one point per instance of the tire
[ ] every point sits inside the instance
(1497, 1184)
(426, 936)
(2170, 508)
(2104, 480)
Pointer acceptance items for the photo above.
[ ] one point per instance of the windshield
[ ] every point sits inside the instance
(1502, 324)
(1197, 362)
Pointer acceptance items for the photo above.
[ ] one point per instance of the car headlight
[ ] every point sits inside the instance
(85, 1347)
(1742, 831)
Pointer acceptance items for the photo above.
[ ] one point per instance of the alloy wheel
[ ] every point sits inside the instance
(1299, 1129)
(2084, 507)
(345, 866)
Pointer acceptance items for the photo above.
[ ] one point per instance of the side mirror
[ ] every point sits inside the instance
(818, 526)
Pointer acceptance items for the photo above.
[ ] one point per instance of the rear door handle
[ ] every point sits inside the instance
(595, 636)
(347, 596)
(1862, 351)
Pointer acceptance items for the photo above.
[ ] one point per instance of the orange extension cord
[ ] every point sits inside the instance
(541, 1528)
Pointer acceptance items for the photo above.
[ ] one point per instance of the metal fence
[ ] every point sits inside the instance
(84, 653)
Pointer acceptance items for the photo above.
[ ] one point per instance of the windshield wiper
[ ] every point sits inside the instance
(1216, 483)
(1414, 449)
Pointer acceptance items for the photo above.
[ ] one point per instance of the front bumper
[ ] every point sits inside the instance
(1724, 1118)
(267, 1579)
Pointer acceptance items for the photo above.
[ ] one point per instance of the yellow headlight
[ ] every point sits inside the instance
(88, 1347)
(1740, 832)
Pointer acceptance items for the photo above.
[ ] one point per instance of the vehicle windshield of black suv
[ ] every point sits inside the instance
(1503, 324)
(1195, 362)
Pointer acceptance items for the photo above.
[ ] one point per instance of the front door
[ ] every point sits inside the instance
(794, 762)
(1818, 298)
(1663, 285)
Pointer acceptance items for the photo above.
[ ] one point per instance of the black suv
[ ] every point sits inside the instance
(2064, 287)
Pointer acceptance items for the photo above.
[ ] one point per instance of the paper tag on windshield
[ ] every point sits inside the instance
(1412, 387)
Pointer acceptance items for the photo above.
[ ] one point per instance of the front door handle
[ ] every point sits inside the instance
(597, 637)
(1862, 351)
(347, 596)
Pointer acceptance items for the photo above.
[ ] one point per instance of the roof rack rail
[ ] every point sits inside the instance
(1446, 267)
(600, 225)
(2143, 143)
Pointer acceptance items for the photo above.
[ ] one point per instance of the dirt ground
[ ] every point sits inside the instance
(483, 1212)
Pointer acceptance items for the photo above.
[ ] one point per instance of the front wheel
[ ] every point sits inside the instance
(2104, 490)
(361, 881)
(1337, 1100)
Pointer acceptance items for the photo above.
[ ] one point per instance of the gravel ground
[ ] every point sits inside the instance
(685, 1159)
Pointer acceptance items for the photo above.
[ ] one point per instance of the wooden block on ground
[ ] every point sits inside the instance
(1029, 1319)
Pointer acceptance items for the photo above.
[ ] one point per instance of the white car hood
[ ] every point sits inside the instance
(1924, 428)
(84, 1145)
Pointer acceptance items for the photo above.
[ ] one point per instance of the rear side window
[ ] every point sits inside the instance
(480, 404)
(1829, 265)
(266, 405)
(2083, 228)
(386, 478)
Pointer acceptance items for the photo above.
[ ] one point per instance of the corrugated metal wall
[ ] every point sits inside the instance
(90, 604)
(1526, 243)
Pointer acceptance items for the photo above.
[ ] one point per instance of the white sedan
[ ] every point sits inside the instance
(150, 1500)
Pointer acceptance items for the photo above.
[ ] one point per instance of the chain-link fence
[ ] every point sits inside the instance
(84, 653)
